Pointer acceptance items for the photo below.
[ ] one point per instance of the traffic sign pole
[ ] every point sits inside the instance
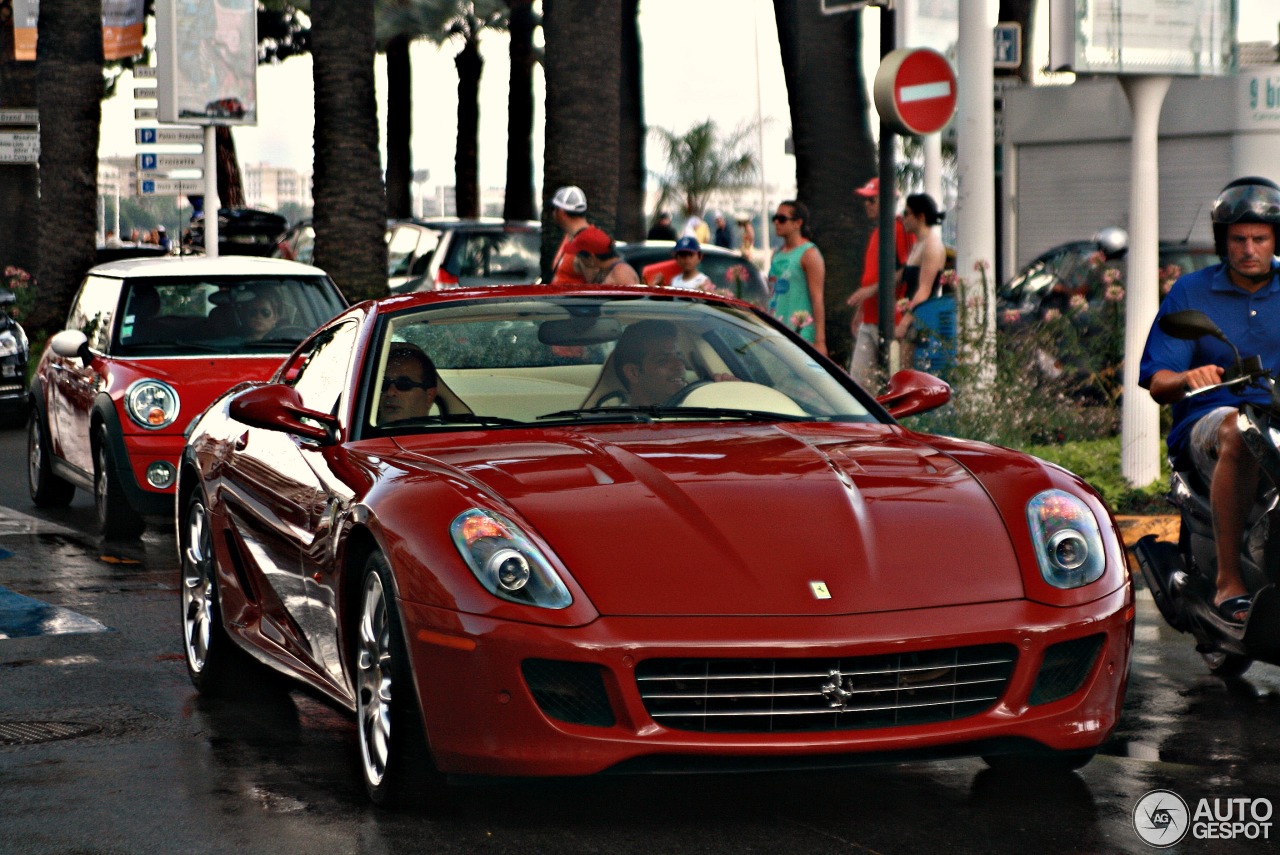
(211, 203)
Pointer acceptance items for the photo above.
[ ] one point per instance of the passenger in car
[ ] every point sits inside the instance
(408, 384)
(260, 315)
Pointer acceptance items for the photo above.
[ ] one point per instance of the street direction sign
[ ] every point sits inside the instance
(144, 72)
(1008, 46)
(168, 187)
(915, 90)
(19, 146)
(168, 136)
(19, 117)
(150, 162)
(145, 113)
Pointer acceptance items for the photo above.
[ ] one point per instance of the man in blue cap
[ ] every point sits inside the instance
(688, 254)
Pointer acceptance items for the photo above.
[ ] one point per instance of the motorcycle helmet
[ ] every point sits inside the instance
(1112, 242)
(1245, 200)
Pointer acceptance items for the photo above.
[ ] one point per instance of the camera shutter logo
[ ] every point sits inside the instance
(1161, 818)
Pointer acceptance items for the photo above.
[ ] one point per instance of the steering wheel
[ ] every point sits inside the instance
(677, 400)
(617, 395)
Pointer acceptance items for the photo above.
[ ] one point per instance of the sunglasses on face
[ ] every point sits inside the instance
(782, 218)
(402, 384)
(262, 312)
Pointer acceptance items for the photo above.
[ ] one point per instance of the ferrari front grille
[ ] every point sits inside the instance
(854, 693)
(1065, 667)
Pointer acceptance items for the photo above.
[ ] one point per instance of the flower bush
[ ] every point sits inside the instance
(23, 287)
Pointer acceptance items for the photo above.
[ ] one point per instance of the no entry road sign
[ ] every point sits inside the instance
(915, 90)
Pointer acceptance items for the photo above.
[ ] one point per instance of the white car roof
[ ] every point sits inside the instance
(199, 265)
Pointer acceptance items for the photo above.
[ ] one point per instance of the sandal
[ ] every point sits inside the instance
(1235, 609)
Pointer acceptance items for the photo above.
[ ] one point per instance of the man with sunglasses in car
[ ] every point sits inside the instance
(408, 385)
(1242, 296)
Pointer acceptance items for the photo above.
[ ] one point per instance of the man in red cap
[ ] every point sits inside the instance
(597, 260)
(865, 326)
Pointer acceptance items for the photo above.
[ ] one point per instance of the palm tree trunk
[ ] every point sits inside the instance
(631, 171)
(350, 202)
(69, 74)
(582, 134)
(822, 63)
(399, 123)
(466, 158)
(519, 202)
(230, 183)
(19, 182)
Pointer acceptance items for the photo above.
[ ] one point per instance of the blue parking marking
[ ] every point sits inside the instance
(25, 617)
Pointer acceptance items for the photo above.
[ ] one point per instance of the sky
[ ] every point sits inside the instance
(700, 60)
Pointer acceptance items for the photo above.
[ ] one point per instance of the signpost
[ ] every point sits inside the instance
(172, 135)
(169, 162)
(915, 90)
(168, 187)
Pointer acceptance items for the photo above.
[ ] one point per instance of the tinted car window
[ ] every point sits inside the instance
(94, 310)
(489, 258)
(182, 316)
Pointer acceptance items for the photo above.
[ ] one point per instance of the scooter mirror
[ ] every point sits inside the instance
(1190, 324)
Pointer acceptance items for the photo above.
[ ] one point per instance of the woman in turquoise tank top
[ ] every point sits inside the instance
(797, 275)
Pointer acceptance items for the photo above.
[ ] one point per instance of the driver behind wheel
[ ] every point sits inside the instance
(649, 363)
(408, 384)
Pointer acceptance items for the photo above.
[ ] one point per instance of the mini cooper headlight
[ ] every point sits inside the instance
(506, 562)
(10, 345)
(1068, 542)
(151, 403)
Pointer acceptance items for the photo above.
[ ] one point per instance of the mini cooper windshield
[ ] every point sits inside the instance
(186, 315)
(565, 360)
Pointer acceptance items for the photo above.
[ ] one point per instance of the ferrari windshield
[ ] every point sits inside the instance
(572, 359)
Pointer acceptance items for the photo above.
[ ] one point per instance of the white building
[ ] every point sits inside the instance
(270, 188)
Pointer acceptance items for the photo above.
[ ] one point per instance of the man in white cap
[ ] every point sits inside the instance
(569, 210)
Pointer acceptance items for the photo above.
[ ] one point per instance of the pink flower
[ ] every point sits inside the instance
(1114, 294)
(1011, 316)
(1077, 303)
(800, 320)
(1052, 314)
(736, 274)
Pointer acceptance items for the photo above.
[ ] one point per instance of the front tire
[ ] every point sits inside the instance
(47, 489)
(117, 520)
(395, 762)
(215, 664)
(1226, 665)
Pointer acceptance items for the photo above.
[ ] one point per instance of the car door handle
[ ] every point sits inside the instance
(241, 441)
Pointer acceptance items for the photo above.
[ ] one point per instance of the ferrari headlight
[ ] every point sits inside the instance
(9, 344)
(151, 403)
(1067, 540)
(506, 562)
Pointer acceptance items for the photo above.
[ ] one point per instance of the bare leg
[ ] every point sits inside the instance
(1231, 495)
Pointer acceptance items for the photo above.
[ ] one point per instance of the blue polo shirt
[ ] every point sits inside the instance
(1250, 321)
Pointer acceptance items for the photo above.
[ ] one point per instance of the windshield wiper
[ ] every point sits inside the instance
(648, 414)
(452, 419)
(174, 345)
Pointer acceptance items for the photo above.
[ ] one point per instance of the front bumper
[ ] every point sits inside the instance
(482, 717)
(136, 453)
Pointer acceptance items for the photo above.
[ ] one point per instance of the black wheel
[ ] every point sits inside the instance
(47, 489)
(1041, 762)
(215, 664)
(394, 760)
(117, 520)
(1226, 665)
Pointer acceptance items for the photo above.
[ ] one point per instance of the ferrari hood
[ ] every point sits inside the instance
(753, 519)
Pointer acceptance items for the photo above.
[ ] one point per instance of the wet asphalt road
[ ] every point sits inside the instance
(144, 765)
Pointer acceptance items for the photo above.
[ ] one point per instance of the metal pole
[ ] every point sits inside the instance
(764, 200)
(211, 202)
(888, 247)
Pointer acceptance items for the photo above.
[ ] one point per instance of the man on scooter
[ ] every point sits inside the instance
(1242, 296)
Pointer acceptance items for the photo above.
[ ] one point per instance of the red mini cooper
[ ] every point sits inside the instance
(148, 344)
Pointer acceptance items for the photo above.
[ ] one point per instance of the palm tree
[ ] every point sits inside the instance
(19, 182)
(519, 203)
(822, 63)
(69, 76)
(350, 205)
(442, 21)
(582, 134)
(700, 163)
(631, 167)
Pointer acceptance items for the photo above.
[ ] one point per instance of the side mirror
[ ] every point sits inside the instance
(279, 407)
(910, 392)
(71, 344)
(1190, 324)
